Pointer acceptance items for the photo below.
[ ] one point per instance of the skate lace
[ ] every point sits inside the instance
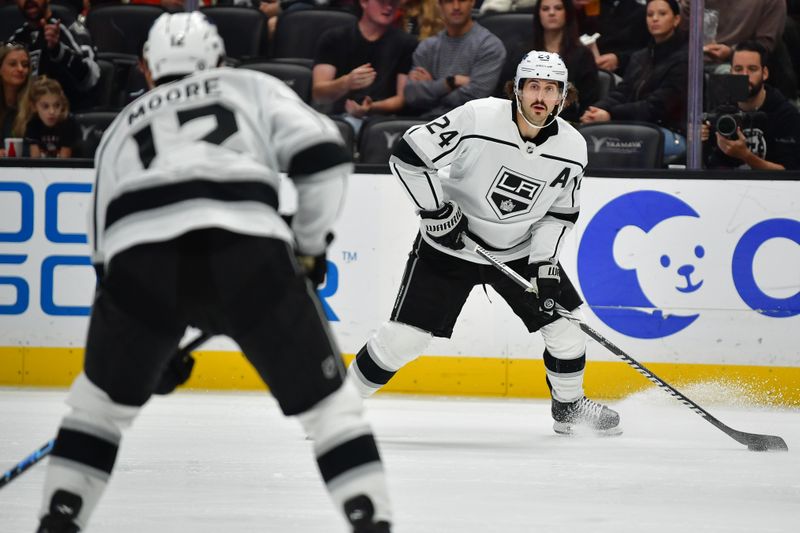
(589, 408)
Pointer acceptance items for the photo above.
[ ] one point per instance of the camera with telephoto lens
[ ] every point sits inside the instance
(723, 92)
(727, 119)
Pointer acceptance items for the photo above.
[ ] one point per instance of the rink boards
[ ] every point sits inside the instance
(698, 279)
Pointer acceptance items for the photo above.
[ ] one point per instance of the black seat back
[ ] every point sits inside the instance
(244, 30)
(121, 29)
(624, 145)
(298, 77)
(380, 135)
(91, 126)
(297, 32)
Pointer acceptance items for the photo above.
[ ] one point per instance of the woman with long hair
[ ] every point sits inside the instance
(15, 83)
(654, 85)
(555, 29)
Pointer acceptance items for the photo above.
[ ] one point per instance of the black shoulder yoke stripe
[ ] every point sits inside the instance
(484, 137)
(406, 154)
(566, 217)
(317, 158)
(565, 160)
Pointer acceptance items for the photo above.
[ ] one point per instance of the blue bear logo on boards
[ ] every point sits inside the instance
(615, 293)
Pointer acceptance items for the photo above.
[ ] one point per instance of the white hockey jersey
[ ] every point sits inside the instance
(206, 151)
(519, 197)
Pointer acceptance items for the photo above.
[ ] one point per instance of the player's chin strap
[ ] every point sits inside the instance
(531, 124)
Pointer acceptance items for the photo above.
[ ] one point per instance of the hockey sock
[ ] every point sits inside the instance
(565, 377)
(346, 452)
(367, 374)
(85, 449)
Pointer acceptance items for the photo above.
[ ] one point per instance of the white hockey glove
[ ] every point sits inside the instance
(445, 225)
(546, 280)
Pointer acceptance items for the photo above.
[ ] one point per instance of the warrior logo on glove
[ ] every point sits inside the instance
(445, 225)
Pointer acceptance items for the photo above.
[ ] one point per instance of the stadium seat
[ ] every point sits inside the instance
(297, 32)
(348, 134)
(624, 144)
(91, 125)
(11, 18)
(605, 83)
(298, 77)
(121, 29)
(508, 26)
(243, 29)
(379, 136)
(104, 95)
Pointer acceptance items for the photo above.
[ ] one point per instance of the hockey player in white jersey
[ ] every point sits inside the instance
(185, 231)
(513, 188)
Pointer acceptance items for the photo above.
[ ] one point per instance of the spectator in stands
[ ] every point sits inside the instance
(622, 29)
(52, 131)
(459, 64)
(362, 69)
(759, 20)
(770, 141)
(272, 8)
(654, 86)
(57, 51)
(15, 80)
(421, 18)
(555, 29)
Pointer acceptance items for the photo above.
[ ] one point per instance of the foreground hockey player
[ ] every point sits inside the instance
(185, 232)
(513, 188)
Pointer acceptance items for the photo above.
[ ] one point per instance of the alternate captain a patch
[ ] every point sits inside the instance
(512, 193)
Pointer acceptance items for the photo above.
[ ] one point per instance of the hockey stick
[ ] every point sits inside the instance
(753, 441)
(45, 450)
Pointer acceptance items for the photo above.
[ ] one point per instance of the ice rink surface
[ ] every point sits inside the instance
(229, 463)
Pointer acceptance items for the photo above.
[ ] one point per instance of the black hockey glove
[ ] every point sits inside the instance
(546, 280)
(315, 267)
(177, 372)
(445, 225)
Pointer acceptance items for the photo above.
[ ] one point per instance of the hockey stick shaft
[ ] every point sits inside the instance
(46, 448)
(753, 441)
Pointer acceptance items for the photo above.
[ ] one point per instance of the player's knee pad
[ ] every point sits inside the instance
(337, 417)
(395, 344)
(92, 405)
(564, 339)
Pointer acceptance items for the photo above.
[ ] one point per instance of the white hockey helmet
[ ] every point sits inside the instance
(543, 66)
(182, 43)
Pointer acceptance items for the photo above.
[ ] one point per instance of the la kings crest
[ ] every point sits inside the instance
(513, 193)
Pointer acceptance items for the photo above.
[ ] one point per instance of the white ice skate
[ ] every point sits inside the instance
(571, 417)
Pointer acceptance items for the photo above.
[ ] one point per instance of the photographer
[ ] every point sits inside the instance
(768, 142)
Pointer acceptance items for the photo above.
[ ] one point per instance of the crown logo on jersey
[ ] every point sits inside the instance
(512, 193)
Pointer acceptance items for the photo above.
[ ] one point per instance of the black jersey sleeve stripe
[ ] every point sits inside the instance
(564, 160)
(406, 154)
(164, 195)
(572, 218)
(433, 189)
(396, 172)
(558, 243)
(483, 137)
(318, 158)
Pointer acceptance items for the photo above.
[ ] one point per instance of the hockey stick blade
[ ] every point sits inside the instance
(45, 450)
(753, 441)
